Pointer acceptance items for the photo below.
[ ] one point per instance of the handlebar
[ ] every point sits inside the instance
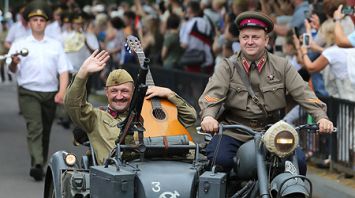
(249, 131)
(245, 129)
(221, 127)
(311, 127)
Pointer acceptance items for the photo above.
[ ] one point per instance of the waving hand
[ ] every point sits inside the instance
(95, 62)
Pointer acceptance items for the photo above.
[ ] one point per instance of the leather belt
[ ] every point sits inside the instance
(254, 123)
(259, 122)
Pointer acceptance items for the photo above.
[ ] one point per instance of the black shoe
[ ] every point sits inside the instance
(37, 172)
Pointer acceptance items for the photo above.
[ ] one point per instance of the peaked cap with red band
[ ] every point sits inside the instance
(254, 19)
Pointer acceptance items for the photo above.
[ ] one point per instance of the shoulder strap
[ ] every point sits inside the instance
(233, 61)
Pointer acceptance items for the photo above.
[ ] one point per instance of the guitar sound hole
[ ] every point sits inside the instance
(159, 114)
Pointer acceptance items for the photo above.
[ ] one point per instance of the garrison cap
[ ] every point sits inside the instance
(117, 77)
(37, 8)
(254, 19)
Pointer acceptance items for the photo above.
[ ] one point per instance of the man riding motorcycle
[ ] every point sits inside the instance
(251, 87)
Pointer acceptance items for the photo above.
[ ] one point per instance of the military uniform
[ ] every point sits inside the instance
(226, 97)
(101, 126)
(37, 77)
(277, 77)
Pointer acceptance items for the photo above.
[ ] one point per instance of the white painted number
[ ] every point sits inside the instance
(156, 186)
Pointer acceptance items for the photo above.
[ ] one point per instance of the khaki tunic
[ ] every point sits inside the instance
(226, 88)
(101, 127)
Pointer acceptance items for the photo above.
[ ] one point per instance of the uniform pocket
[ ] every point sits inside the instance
(110, 129)
(274, 96)
(237, 96)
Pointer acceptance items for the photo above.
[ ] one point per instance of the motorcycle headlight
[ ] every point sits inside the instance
(281, 139)
(70, 159)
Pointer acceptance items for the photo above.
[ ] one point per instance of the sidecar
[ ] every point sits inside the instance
(151, 175)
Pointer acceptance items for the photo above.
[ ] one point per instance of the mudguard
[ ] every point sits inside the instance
(55, 167)
(289, 184)
(245, 161)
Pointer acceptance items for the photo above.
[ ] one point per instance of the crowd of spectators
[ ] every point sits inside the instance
(171, 31)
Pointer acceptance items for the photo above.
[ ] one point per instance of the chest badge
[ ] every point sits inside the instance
(271, 77)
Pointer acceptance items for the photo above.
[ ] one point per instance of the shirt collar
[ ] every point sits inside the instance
(114, 113)
(259, 63)
(45, 38)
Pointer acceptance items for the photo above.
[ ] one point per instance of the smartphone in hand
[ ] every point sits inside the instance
(347, 10)
(306, 40)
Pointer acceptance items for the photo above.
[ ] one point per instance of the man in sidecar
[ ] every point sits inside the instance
(252, 86)
(101, 125)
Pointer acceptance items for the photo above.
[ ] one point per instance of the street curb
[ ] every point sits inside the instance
(325, 188)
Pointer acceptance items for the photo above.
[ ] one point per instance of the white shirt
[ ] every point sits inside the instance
(39, 70)
(337, 79)
(17, 31)
(337, 58)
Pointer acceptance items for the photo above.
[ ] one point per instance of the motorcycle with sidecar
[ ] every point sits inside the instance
(170, 166)
(265, 166)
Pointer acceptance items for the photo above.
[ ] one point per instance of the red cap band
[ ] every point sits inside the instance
(254, 21)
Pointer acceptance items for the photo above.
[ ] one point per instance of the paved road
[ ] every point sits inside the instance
(15, 181)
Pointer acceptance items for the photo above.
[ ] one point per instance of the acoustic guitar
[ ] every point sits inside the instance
(160, 115)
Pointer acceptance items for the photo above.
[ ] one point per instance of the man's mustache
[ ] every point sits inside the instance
(120, 100)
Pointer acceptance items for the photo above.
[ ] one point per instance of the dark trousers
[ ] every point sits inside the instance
(3, 73)
(38, 109)
(228, 149)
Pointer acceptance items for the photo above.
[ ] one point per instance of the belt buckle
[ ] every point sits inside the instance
(253, 123)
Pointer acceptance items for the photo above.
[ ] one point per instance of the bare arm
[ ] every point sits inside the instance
(319, 64)
(341, 39)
